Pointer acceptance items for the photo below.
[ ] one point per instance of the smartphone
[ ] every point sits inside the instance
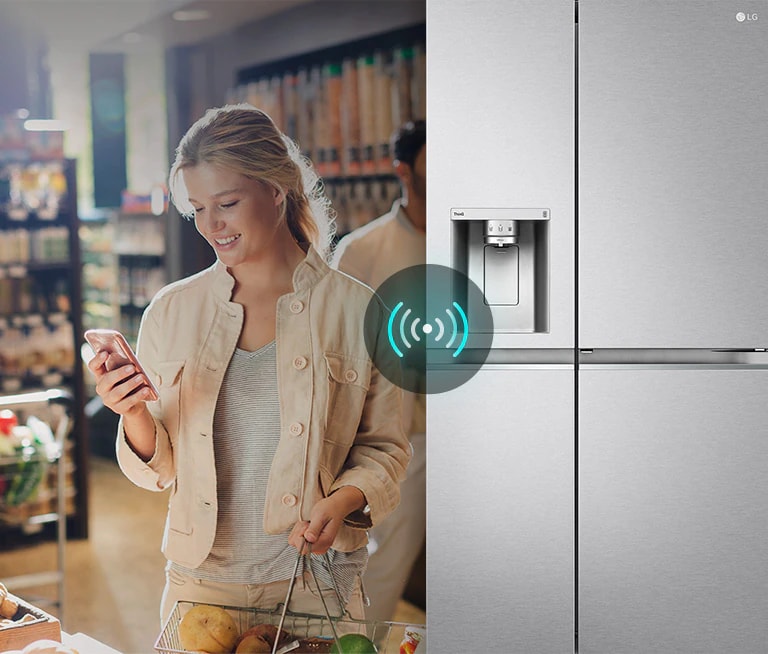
(114, 342)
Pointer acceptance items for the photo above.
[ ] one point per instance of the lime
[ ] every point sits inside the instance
(354, 644)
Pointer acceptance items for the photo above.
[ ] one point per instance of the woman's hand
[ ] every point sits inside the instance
(117, 390)
(117, 387)
(325, 519)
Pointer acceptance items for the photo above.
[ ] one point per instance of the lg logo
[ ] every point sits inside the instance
(742, 17)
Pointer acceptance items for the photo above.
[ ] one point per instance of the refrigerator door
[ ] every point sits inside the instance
(673, 518)
(500, 528)
(500, 87)
(673, 199)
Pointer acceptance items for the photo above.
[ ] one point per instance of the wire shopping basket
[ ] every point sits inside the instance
(315, 629)
(307, 632)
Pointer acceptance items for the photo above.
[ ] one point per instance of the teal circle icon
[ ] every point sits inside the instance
(425, 320)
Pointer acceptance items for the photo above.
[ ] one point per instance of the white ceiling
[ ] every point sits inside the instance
(100, 25)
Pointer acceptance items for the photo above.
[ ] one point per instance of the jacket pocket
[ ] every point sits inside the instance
(348, 382)
(179, 519)
(168, 381)
(169, 378)
(326, 478)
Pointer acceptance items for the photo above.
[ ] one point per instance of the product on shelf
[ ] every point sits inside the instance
(332, 119)
(419, 86)
(35, 350)
(403, 73)
(366, 67)
(37, 188)
(343, 105)
(100, 274)
(140, 268)
(289, 91)
(350, 118)
(40, 303)
(384, 123)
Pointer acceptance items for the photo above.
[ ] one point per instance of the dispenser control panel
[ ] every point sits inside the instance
(505, 252)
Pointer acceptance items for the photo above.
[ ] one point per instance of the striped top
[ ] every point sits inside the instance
(246, 431)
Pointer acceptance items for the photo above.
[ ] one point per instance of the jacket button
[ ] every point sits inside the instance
(300, 363)
(297, 306)
(289, 500)
(296, 428)
(350, 375)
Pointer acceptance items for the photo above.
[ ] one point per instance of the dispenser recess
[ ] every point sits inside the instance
(505, 252)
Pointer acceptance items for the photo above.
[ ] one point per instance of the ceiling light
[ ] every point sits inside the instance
(186, 15)
(38, 125)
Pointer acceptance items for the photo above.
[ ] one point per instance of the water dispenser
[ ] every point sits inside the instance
(505, 252)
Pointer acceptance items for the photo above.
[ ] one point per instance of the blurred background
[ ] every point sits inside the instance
(94, 96)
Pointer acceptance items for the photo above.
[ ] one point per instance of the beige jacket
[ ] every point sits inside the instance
(338, 413)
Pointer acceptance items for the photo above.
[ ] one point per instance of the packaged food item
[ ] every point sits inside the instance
(350, 121)
(414, 640)
(383, 120)
(333, 95)
(366, 87)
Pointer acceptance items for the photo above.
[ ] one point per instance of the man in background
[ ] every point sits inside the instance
(372, 254)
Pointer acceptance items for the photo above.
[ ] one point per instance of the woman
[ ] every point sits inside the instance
(273, 425)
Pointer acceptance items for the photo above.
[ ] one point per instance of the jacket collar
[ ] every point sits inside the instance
(402, 217)
(309, 271)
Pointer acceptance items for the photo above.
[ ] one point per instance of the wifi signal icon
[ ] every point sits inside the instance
(406, 329)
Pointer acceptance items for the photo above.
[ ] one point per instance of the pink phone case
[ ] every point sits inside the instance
(114, 342)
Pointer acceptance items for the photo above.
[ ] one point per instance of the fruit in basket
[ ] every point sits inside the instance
(260, 638)
(354, 644)
(253, 645)
(210, 629)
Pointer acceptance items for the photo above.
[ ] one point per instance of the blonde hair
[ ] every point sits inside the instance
(244, 139)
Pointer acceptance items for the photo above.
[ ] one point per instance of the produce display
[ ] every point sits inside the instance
(8, 605)
(27, 448)
(23, 625)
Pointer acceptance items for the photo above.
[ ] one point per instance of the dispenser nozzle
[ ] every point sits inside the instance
(500, 233)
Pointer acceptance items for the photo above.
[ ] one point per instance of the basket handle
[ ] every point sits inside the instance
(292, 583)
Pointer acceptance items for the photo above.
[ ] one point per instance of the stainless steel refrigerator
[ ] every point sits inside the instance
(601, 484)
